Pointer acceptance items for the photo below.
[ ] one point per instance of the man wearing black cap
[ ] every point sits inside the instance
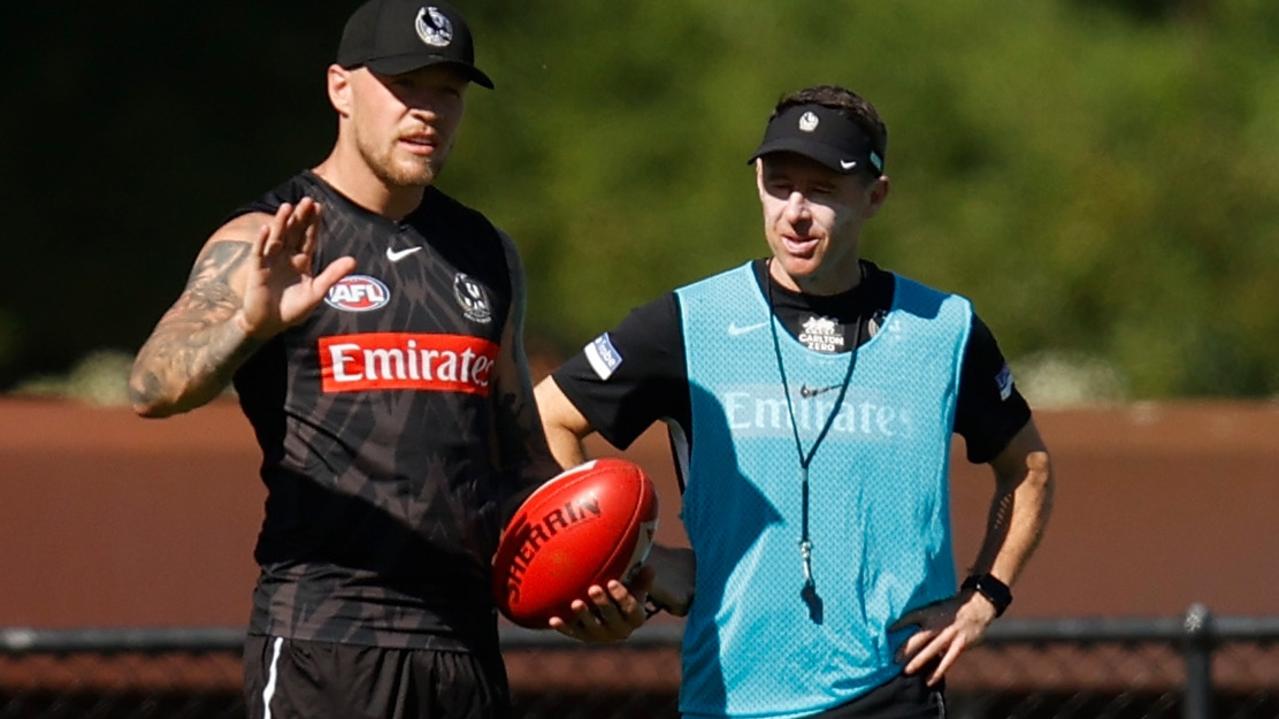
(372, 327)
(811, 397)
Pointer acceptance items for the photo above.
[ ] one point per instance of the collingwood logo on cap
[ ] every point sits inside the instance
(438, 31)
(826, 134)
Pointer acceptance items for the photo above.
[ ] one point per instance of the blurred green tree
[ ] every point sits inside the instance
(1100, 177)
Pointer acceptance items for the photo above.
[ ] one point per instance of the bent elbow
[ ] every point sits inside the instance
(153, 410)
(147, 398)
(150, 407)
(1039, 468)
(1039, 478)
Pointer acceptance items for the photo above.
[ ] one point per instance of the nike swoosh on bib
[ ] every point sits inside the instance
(735, 329)
(397, 255)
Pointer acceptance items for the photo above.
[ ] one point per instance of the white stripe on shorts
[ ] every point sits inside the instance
(269, 691)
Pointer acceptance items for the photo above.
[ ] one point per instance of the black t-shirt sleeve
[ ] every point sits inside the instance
(990, 410)
(633, 375)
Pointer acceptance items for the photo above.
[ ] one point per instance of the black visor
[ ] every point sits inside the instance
(822, 134)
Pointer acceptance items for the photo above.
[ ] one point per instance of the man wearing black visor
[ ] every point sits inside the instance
(811, 398)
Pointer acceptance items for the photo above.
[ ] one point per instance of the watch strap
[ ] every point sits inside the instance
(990, 587)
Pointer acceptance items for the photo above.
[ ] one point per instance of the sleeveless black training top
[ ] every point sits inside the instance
(375, 421)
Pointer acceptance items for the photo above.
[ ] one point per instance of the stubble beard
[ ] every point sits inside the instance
(397, 174)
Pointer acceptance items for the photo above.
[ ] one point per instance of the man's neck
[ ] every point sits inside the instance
(819, 283)
(349, 174)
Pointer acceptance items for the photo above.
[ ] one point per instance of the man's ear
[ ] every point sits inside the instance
(878, 194)
(339, 82)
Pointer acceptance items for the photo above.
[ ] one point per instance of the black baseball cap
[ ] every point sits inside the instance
(823, 134)
(397, 36)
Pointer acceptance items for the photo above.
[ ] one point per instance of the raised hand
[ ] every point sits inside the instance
(248, 283)
(281, 290)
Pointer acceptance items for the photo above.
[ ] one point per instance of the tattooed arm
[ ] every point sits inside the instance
(252, 279)
(196, 346)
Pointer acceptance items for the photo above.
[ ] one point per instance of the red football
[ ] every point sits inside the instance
(591, 523)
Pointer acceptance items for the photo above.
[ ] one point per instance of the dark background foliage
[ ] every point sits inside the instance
(1100, 176)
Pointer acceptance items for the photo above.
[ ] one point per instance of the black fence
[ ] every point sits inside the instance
(1194, 667)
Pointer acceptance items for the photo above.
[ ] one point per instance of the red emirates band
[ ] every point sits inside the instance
(406, 360)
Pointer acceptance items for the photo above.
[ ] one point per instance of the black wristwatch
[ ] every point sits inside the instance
(991, 588)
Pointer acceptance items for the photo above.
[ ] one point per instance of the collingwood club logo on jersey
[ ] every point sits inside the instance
(358, 293)
(822, 334)
(433, 27)
(473, 299)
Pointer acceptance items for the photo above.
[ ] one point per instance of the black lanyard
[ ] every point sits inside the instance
(809, 591)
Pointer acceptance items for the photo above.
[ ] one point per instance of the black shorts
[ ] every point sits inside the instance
(903, 697)
(292, 679)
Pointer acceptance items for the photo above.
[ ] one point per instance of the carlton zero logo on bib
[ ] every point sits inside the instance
(822, 334)
(406, 360)
(358, 293)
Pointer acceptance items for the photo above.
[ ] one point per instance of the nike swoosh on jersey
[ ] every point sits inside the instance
(397, 255)
(734, 329)
(847, 165)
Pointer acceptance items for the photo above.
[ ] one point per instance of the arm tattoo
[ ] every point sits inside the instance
(194, 349)
(217, 263)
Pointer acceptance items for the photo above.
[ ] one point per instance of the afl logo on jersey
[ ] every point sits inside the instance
(358, 293)
(473, 299)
